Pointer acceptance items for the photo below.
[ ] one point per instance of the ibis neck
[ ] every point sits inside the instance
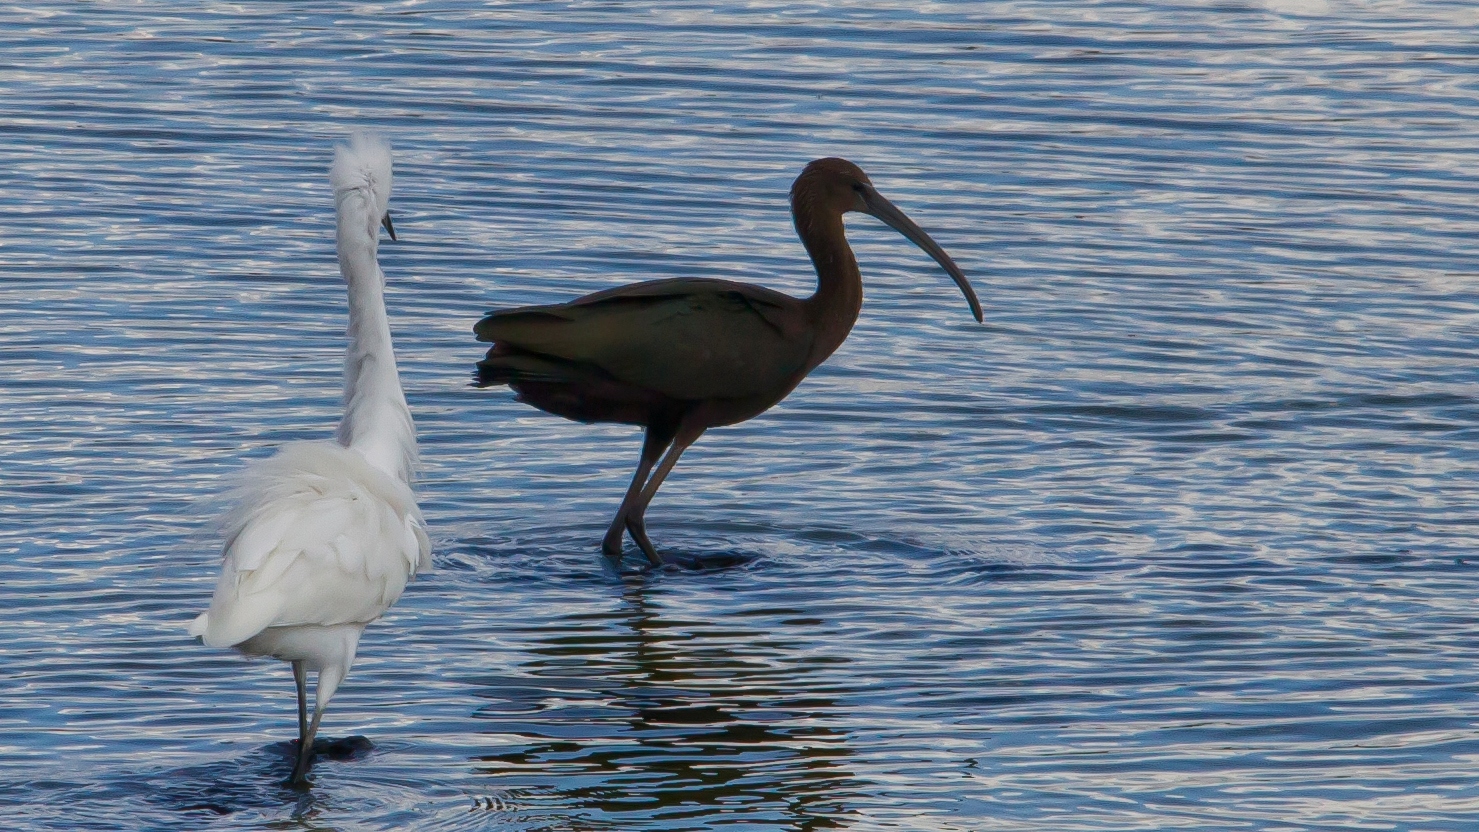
(377, 422)
(838, 299)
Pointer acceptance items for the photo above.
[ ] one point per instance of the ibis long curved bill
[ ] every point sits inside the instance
(874, 204)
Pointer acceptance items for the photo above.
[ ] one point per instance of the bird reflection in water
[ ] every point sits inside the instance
(632, 717)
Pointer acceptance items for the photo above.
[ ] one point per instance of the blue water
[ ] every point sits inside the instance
(1184, 536)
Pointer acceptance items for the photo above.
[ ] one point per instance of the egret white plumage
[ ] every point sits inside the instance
(323, 536)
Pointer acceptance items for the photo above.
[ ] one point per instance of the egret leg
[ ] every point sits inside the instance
(300, 677)
(299, 778)
(636, 514)
(305, 736)
(656, 440)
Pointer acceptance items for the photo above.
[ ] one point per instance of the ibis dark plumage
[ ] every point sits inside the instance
(678, 357)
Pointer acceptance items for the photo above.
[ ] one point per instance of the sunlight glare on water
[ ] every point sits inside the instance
(1181, 537)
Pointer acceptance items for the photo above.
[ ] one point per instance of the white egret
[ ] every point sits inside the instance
(323, 536)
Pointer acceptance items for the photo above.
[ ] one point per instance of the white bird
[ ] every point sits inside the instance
(323, 536)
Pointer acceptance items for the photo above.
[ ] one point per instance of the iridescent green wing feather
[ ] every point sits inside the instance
(702, 339)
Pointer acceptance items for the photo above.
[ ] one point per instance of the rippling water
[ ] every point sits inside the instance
(1183, 537)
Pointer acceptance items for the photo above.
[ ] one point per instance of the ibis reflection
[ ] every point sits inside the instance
(637, 716)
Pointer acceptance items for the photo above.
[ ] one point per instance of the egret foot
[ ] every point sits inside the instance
(302, 762)
(299, 778)
(339, 750)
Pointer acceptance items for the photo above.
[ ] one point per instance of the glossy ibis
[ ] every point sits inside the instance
(681, 356)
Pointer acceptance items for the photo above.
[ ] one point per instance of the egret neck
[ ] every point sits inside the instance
(377, 422)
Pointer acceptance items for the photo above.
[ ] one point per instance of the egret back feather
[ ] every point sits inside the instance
(317, 537)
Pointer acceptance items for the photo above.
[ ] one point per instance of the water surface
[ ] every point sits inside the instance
(1181, 537)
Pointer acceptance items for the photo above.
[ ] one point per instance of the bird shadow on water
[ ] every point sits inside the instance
(541, 554)
(703, 561)
(255, 784)
(571, 553)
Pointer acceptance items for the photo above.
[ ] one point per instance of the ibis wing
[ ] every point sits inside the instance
(676, 287)
(705, 342)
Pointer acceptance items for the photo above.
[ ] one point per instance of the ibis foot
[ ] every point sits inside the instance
(637, 527)
(612, 551)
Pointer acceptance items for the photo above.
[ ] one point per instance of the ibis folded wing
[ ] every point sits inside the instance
(684, 339)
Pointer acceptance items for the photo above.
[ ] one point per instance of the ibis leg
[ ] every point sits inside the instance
(656, 440)
(636, 514)
(637, 528)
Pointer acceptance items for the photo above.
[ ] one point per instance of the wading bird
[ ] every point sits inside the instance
(681, 356)
(323, 536)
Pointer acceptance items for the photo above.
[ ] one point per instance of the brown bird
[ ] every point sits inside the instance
(684, 355)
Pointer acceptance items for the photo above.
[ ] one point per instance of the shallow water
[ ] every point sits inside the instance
(1182, 537)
